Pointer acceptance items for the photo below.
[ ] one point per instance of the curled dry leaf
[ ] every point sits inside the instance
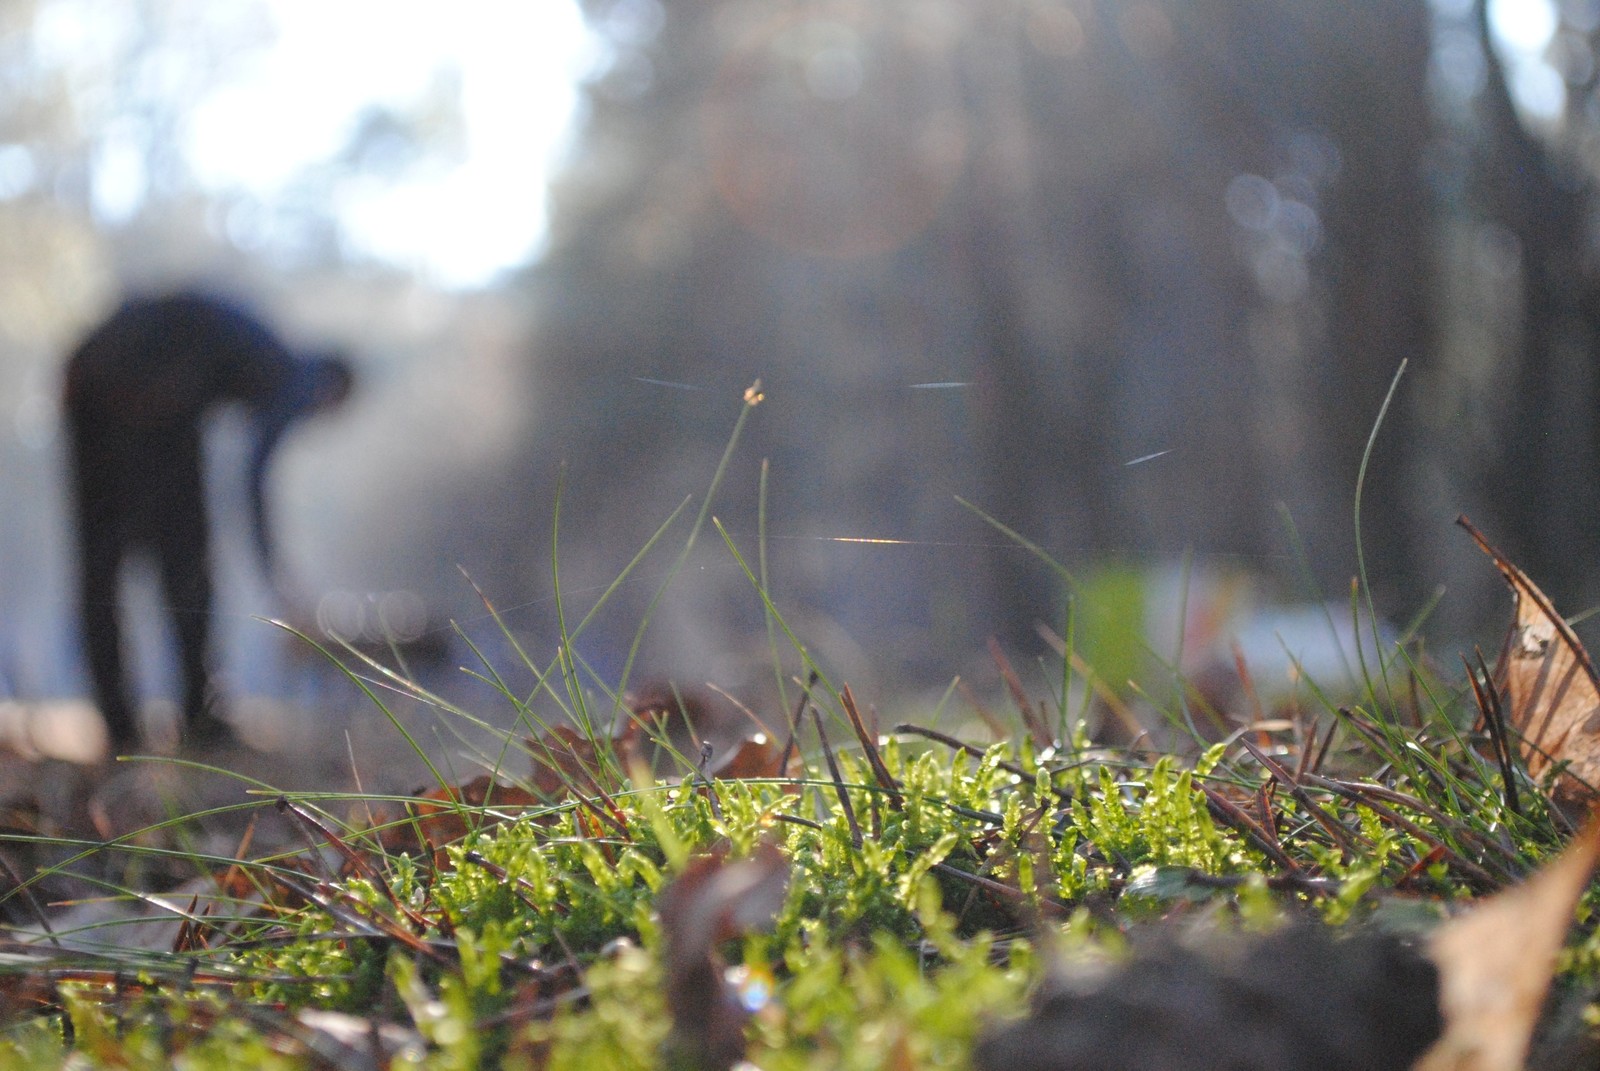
(438, 816)
(755, 757)
(1496, 961)
(1548, 689)
(713, 901)
(564, 761)
(24, 994)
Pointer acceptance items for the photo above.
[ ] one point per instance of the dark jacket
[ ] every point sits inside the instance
(139, 388)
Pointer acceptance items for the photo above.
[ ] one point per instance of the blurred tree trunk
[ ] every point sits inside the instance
(1545, 484)
(1372, 63)
(1258, 351)
(1331, 100)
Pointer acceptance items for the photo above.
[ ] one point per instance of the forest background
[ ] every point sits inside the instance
(1133, 278)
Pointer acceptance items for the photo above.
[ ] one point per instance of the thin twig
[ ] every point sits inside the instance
(1488, 698)
(1230, 814)
(869, 747)
(856, 838)
(1031, 719)
(1360, 794)
(976, 752)
(794, 722)
(1345, 839)
(997, 888)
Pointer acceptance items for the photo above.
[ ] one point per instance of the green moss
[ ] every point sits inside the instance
(900, 936)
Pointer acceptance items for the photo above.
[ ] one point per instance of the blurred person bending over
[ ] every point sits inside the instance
(138, 391)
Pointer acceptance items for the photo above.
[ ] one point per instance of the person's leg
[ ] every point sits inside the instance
(101, 548)
(101, 617)
(183, 555)
(187, 585)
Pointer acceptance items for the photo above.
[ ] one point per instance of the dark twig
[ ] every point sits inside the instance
(943, 738)
(1361, 794)
(1322, 752)
(975, 751)
(522, 887)
(794, 722)
(1265, 792)
(997, 888)
(364, 925)
(1233, 816)
(27, 896)
(1488, 697)
(1421, 865)
(1031, 719)
(1400, 799)
(357, 861)
(1342, 836)
(869, 747)
(838, 782)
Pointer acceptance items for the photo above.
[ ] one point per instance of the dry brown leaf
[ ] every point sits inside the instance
(755, 757)
(713, 901)
(565, 762)
(564, 759)
(26, 994)
(439, 816)
(1495, 964)
(1548, 688)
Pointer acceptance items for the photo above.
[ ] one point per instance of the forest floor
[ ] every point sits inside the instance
(1387, 880)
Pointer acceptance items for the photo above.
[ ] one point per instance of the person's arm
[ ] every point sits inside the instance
(270, 424)
(307, 386)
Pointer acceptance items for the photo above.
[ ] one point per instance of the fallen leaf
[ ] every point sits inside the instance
(713, 901)
(755, 757)
(25, 994)
(438, 816)
(565, 759)
(1496, 961)
(676, 721)
(1548, 689)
